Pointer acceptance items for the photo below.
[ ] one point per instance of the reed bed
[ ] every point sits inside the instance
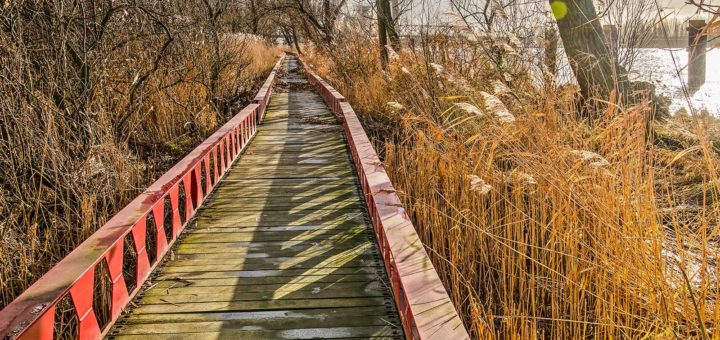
(63, 177)
(541, 224)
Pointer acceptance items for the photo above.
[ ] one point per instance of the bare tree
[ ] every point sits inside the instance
(317, 18)
(382, 31)
(385, 14)
(213, 10)
(634, 21)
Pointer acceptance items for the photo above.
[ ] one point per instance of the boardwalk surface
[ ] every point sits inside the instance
(282, 249)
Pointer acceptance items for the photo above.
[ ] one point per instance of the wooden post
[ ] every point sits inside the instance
(612, 37)
(697, 50)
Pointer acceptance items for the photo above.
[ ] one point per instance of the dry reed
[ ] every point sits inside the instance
(61, 181)
(543, 226)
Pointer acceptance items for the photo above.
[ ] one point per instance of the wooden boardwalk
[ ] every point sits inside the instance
(283, 247)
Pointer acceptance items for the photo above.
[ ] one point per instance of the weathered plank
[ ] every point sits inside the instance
(271, 281)
(278, 304)
(281, 193)
(308, 286)
(368, 332)
(234, 323)
(268, 218)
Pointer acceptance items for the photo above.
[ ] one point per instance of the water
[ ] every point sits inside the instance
(667, 70)
(658, 67)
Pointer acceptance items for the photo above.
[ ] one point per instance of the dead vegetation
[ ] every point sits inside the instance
(541, 224)
(99, 98)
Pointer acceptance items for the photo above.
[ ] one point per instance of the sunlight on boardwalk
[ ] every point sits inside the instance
(282, 249)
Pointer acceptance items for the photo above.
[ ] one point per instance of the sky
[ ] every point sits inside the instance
(685, 9)
(438, 7)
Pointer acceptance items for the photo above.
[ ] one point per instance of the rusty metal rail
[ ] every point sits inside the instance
(184, 186)
(424, 305)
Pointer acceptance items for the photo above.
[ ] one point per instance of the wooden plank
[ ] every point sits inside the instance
(354, 255)
(287, 232)
(268, 273)
(267, 218)
(298, 149)
(268, 249)
(244, 329)
(219, 306)
(198, 295)
(299, 139)
(255, 174)
(289, 196)
(358, 233)
(210, 228)
(266, 319)
(261, 281)
(260, 161)
(267, 132)
(287, 207)
(261, 144)
(367, 332)
(291, 286)
(306, 169)
(290, 182)
(365, 254)
(238, 322)
(306, 266)
(273, 193)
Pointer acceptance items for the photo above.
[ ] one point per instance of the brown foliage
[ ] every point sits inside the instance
(98, 98)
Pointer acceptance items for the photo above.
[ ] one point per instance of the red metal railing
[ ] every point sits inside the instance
(424, 305)
(263, 96)
(31, 315)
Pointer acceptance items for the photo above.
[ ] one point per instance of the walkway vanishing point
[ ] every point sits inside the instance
(285, 229)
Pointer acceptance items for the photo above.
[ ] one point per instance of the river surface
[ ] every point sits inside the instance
(667, 69)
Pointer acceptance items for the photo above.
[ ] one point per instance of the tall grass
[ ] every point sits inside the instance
(543, 225)
(62, 177)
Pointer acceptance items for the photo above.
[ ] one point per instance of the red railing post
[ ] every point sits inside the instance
(175, 206)
(82, 297)
(120, 294)
(161, 242)
(209, 180)
(187, 188)
(142, 268)
(216, 164)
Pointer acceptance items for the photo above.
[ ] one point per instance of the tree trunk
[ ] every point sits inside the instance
(390, 24)
(582, 36)
(286, 35)
(382, 31)
(328, 22)
(295, 39)
(255, 19)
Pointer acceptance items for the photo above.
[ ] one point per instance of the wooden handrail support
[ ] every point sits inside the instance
(31, 315)
(424, 305)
